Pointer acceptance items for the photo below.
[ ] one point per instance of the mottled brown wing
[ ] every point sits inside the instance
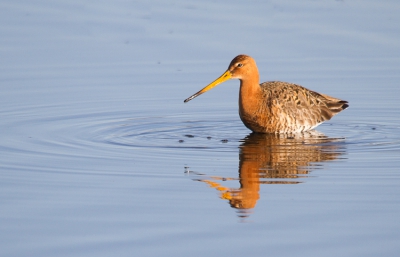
(306, 107)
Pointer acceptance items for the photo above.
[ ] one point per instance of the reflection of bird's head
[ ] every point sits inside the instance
(244, 203)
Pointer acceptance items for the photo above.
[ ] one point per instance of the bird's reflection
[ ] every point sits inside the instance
(274, 159)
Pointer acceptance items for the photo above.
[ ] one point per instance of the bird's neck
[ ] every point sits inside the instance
(250, 92)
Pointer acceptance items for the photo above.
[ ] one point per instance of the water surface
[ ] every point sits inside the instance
(99, 156)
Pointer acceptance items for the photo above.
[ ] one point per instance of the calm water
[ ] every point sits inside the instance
(100, 157)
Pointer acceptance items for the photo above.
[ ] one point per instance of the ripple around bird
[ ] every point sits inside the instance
(113, 134)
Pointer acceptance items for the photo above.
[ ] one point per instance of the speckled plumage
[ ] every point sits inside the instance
(276, 107)
(286, 108)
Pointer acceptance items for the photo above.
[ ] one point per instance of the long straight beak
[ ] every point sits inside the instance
(224, 77)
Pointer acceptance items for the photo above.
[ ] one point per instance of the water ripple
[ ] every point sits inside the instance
(101, 134)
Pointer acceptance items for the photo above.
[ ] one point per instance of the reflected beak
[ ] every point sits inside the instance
(224, 77)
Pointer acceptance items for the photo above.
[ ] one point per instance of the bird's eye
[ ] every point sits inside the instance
(240, 65)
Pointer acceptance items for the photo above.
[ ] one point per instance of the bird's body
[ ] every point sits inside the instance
(276, 107)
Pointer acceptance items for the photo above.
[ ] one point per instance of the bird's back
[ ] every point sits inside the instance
(288, 107)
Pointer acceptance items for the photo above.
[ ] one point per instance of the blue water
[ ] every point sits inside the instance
(99, 156)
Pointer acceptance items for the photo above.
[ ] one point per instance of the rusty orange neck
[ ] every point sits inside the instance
(249, 95)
